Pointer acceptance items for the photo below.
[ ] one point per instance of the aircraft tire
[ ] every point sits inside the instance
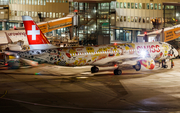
(137, 67)
(94, 69)
(117, 72)
(165, 66)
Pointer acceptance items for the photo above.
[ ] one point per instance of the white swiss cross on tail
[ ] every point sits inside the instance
(33, 32)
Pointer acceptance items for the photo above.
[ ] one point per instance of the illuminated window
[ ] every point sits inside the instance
(144, 20)
(32, 2)
(136, 5)
(41, 2)
(140, 19)
(54, 15)
(124, 18)
(136, 19)
(147, 20)
(21, 13)
(125, 5)
(59, 15)
(47, 15)
(140, 5)
(50, 1)
(147, 6)
(35, 14)
(129, 5)
(132, 5)
(121, 4)
(155, 6)
(59, 1)
(38, 2)
(32, 13)
(29, 2)
(24, 1)
(26, 13)
(35, 2)
(132, 19)
(117, 4)
(129, 20)
(121, 18)
(53, 1)
(47, 0)
(159, 6)
(12, 13)
(152, 5)
(44, 14)
(18, 13)
(50, 14)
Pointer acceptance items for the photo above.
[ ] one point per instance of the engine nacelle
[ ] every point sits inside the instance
(147, 63)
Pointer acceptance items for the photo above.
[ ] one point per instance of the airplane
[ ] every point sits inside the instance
(139, 55)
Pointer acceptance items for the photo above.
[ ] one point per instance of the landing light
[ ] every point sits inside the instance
(17, 56)
(143, 53)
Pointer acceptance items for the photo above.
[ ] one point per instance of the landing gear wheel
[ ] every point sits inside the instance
(117, 72)
(94, 69)
(165, 66)
(137, 67)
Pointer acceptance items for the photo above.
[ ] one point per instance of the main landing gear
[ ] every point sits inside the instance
(137, 67)
(117, 71)
(164, 64)
(94, 69)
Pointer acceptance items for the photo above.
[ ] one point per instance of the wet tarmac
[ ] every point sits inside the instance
(55, 89)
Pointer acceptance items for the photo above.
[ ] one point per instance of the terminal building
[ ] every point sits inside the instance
(99, 21)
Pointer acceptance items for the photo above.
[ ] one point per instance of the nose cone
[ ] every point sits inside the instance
(175, 53)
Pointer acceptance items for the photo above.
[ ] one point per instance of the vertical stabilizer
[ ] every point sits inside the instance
(36, 38)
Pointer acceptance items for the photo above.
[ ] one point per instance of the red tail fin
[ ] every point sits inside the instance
(36, 38)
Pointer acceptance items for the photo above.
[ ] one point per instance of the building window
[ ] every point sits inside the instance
(136, 19)
(140, 19)
(35, 2)
(121, 18)
(24, 1)
(159, 6)
(50, 14)
(44, 14)
(152, 5)
(32, 13)
(132, 5)
(35, 14)
(132, 19)
(53, 1)
(124, 18)
(41, 2)
(147, 20)
(144, 20)
(32, 2)
(129, 5)
(125, 5)
(155, 6)
(59, 15)
(121, 4)
(147, 5)
(44, 2)
(47, 0)
(136, 5)
(140, 5)
(59, 1)
(54, 15)
(117, 4)
(129, 20)
(50, 1)
(47, 15)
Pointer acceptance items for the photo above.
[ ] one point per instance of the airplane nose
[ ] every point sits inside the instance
(175, 53)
